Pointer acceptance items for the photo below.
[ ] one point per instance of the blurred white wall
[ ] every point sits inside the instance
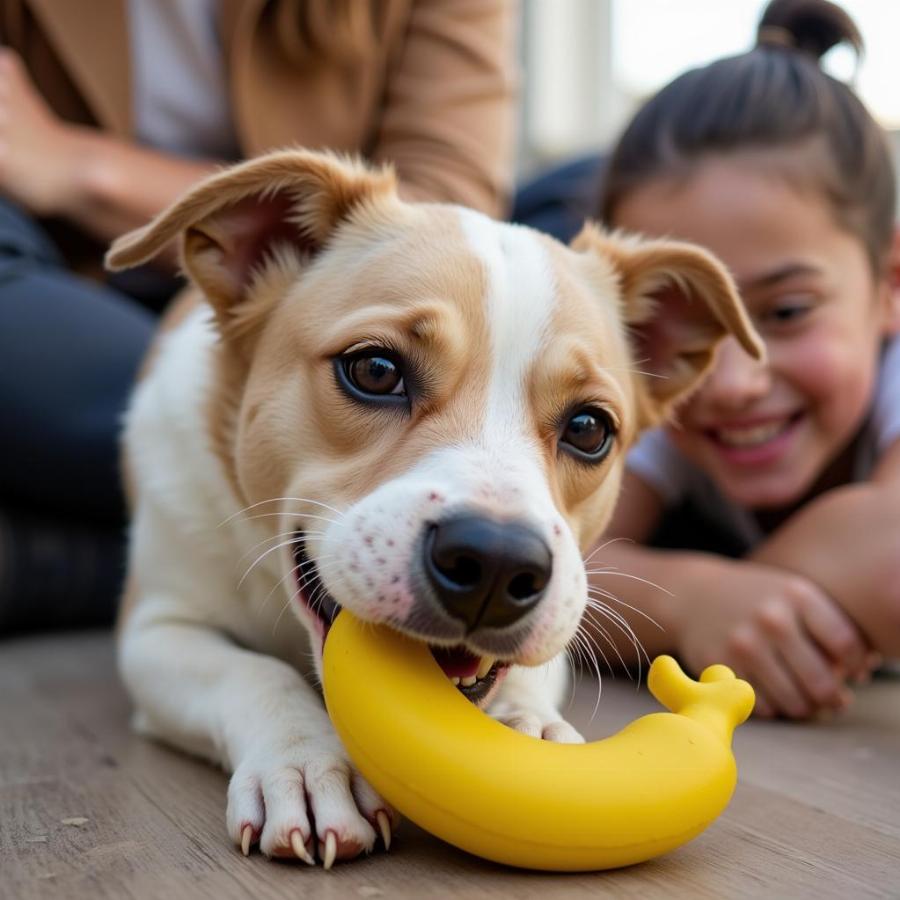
(588, 63)
(571, 101)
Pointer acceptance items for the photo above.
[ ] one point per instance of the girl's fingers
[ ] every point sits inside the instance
(778, 686)
(812, 671)
(835, 633)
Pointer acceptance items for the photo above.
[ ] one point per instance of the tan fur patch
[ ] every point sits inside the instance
(416, 289)
(586, 362)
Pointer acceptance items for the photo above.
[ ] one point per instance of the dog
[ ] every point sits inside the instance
(408, 410)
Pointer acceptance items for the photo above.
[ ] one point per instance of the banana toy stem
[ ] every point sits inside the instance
(719, 701)
(515, 799)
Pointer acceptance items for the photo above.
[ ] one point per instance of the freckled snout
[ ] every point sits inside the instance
(486, 573)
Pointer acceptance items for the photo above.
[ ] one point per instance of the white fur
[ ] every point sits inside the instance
(520, 301)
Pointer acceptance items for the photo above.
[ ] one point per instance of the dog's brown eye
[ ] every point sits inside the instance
(589, 434)
(375, 375)
(372, 377)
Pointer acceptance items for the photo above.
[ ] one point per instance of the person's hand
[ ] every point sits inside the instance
(37, 170)
(778, 630)
(846, 540)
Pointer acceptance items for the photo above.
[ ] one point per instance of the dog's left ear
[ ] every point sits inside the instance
(679, 302)
(277, 211)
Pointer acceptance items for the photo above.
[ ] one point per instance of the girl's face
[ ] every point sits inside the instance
(767, 431)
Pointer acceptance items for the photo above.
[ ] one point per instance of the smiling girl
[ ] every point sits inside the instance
(770, 512)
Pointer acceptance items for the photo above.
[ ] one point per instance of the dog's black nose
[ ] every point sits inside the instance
(487, 573)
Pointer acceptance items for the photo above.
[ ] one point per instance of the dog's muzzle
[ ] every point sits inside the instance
(484, 574)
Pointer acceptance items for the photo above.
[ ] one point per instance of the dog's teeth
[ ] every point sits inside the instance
(468, 681)
(455, 679)
(485, 666)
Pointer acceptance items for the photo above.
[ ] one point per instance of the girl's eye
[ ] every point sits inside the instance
(588, 434)
(788, 313)
(789, 310)
(372, 376)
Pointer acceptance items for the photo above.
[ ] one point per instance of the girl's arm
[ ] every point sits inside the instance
(776, 628)
(848, 541)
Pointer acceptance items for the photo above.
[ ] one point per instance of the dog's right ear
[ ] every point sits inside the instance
(678, 302)
(237, 221)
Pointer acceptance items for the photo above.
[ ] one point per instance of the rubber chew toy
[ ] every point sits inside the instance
(514, 799)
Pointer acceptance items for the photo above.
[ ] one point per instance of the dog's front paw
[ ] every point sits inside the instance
(275, 795)
(546, 725)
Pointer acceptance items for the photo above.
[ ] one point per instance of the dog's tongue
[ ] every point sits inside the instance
(456, 662)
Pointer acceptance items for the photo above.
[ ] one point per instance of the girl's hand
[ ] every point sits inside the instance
(847, 540)
(36, 166)
(778, 630)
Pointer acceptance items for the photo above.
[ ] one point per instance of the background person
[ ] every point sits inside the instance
(111, 110)
(771, 510)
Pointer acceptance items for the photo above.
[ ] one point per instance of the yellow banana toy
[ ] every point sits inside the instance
(515, 799)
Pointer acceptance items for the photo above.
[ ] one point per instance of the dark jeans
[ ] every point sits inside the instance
(69, 351)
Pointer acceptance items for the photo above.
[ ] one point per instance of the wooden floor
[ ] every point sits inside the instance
(87, 810)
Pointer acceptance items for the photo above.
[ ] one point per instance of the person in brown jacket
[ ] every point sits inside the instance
(109, 109)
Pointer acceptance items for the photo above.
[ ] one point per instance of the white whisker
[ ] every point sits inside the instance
(275, 537)
(262, 556)
(596, 590)
(283, 610)
(636, 371)
(584, 639)
(573, 668)
(608, 637)
(622, 624)
(603, 546)
(280, 500)
(275, 587)
(292, 572)
(614, 571)
(301, 515)
(614, 615)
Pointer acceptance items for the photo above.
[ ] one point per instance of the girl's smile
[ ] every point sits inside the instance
(758, 442)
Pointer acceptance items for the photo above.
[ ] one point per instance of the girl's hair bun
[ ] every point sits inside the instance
(810, 26)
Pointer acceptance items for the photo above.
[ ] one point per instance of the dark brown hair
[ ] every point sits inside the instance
(776, 95)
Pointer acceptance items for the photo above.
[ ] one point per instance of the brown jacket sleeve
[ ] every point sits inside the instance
(449, 104)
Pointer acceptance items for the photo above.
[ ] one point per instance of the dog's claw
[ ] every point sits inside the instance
(384, 826)
(330, 850)
(299, 848)
(246, 837)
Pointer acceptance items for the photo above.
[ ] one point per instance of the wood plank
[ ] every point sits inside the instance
(816, 814)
